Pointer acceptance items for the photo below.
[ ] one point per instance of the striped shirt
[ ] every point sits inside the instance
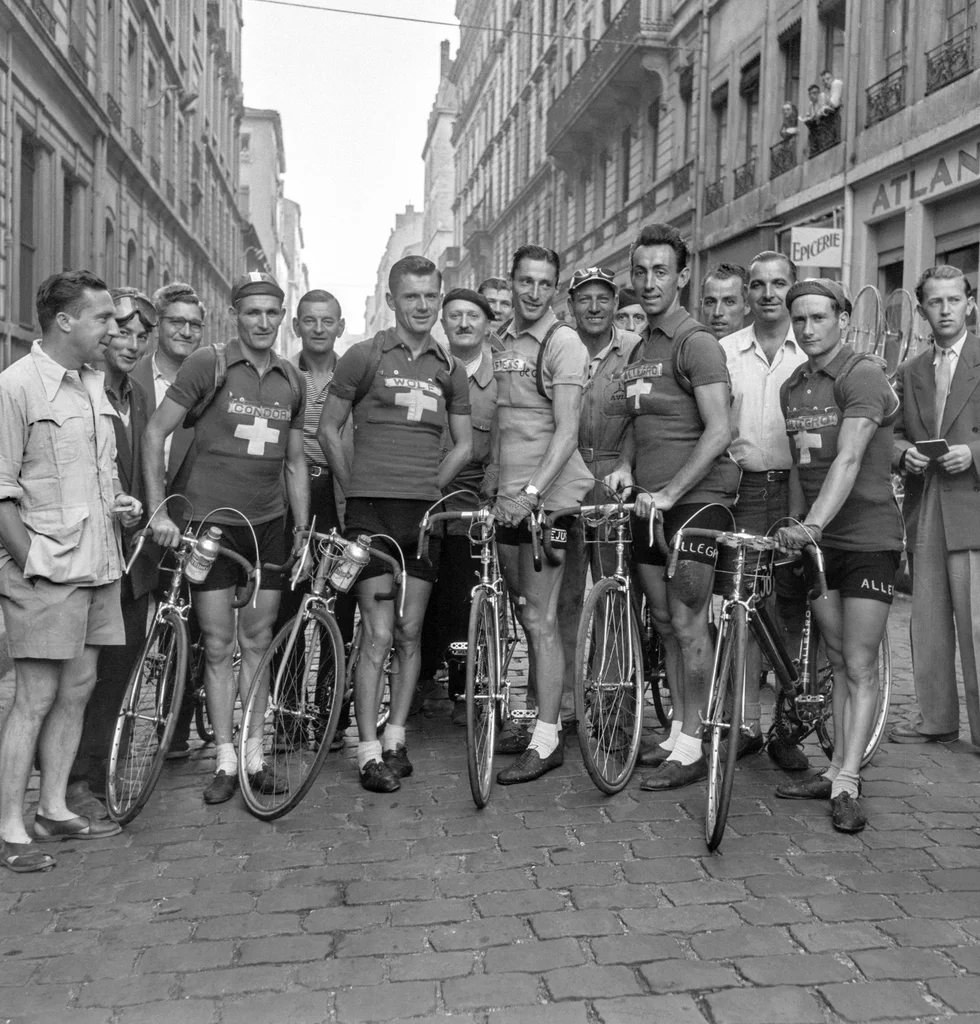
(314, 406)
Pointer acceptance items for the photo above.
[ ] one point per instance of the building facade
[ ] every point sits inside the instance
(119, 132)
(438, 236)
(581, 120)
(405, 240)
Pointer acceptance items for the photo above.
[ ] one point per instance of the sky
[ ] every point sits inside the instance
(354, 94)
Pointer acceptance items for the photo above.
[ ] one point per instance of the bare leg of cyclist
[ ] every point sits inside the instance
(255, 627)
(407, 658)
(654, 586)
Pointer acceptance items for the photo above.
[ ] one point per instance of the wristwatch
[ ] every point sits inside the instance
(531, 491)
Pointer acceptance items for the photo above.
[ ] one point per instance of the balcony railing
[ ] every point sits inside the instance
(44, 16)
(171, 192)
(680, 180)
(745, 178)
(950, 60)
(782, 157)
(183, 210)
(136, 143)
(474, 225)
(886, 97)
(155, 169)
(78, 62)
(714, 195)
(114, 111)
(824, 133)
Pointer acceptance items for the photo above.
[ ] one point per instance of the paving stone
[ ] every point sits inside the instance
(296, 1007)
(148, 988)
(480, 882)
(613, 897)
(536, 957)
(877, 1000)
(592, 982)
(829, 865)
(555, 1013)
(687, 893)
(794, 969)
(777, 1005)
(382, 1002)
(962, 994)
(853, 908)
(35, 999)
(958, 880)
(822, 938)
(361, 853)
(188, 956)
(644, 1009)
(680, 919)
(508, 904)
(187, 1011)
(967, 957)
(946, 905)
(661, 871)
(388, 892)
(435, 966)
(482, 990)
(926, 933)
(744, 865)
(93, 1016)
(286, 949)
(576, 874)
(163, 934)
(243, 926)
(725, 945)
(477, 934)
(309, 897)
(771, 911)
(233, 981)
(342, 919)
(794, 886)
(901, 964)
(634, 949)
(687, 975)
(431, 912)
(376, 941)
(344, 973)
(576, 922)
(885, 882)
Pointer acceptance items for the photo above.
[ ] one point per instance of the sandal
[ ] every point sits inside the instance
(48, 830)
(23, 857)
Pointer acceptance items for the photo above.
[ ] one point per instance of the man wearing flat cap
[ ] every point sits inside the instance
(247, 431)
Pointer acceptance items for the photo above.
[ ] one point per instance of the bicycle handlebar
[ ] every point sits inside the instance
(334, 537)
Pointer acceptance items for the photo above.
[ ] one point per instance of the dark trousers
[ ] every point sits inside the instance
(447, 617)
(112, 677)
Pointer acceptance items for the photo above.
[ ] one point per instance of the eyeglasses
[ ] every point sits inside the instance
(178, 323)
(591, 274)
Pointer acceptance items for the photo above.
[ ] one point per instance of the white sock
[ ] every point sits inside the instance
(367, 751)
(675, 731)
(227, 759)
(544, 739)
(394, 736)
(686, 750)
(253, 754)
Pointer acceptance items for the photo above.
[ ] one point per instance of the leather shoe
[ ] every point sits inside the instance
(814, 787)
(52, 830)
(80, 800)
(398, 762)
(845, 814)
(674, 775)
(263, 781)
(747, 744)
(377, 777)
(788, 757)
(653, 756)
(531, 765)
(908, 733)
(513, 742)
(222, 788)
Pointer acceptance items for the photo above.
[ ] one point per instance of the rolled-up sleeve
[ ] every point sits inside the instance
(13, 429)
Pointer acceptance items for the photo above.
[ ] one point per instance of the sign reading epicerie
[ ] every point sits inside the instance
(817, 247)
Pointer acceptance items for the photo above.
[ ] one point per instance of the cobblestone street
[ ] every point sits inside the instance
(554, 905)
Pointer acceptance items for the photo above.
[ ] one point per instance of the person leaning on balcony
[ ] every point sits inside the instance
(833, 93)
(816, 104)
(790, 127)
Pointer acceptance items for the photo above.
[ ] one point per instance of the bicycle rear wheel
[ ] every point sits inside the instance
(482, 694)
(724, 722)
(293, 706)
(825, 724)
(147, 717)
(609, 686)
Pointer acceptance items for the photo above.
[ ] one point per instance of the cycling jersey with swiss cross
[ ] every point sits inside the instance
(398, 424)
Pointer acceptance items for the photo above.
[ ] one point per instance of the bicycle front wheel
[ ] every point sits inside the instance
(609, 686)
(482, 694)
(825, 725)
(290, 714)
(147, 717)
(724, 723)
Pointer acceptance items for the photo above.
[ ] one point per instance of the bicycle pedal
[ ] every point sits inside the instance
(524, 716)
(459, 649)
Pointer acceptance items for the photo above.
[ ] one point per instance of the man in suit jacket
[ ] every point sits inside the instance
(940, 393)
(134, 319)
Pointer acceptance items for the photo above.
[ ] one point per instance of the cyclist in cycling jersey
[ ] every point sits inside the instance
(249, 433)
(839, 411)
(403, 390)
(539, 464)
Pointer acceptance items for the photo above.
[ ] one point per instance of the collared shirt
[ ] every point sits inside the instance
(399, 421)
(315, 397)
(760, 443)
(955, 350)
(58, 462)
(526, 420)
(121, 402)
(160, 388)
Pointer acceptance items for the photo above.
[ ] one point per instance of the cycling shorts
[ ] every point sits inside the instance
(704, 517)
(869, 574)
(271, 537)
(521, 534)
(398, 518)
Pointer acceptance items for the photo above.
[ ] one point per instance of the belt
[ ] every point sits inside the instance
(317, 470)
(768, 474)
(595, 454)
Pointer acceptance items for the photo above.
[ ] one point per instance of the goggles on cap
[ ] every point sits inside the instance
(129, 306)
(581, 277)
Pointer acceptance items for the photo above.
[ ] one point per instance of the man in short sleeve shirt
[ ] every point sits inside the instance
(679, 398)
(403, 391)
(249, 435)
(723, 299)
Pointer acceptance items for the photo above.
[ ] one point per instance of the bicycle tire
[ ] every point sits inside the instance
(299, 707)
(824, 726)
(482, 694)
(202, 720)
(147, 718)
(724, 722)
(609, 686)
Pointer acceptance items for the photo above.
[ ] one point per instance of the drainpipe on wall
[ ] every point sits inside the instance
(8, 238)
(849, 127)
(701, 154)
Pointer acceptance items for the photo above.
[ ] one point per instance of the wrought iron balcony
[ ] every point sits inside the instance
(78, 62)
(587, 101)
(171, 192)
(886, 96)
(824, 133)
(183, 210)
(114, 111)
(680, 180)
(744, 178)
(782, 157)
(155, 169)
(475, 226)
(714, 195)
(950, 60)
(44, 16)
(136, 143)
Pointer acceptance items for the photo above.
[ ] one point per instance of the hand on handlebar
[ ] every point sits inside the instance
(511, 511)
(645, 505)
(164, 531)
(619, 480)
(797, 536)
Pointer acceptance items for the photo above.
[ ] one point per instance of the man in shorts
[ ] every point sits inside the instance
(245, 438)
(761, 358)
(60, 556)
(723, 303)
(403, 391)
(498, 294)
(676, 453)
(541, 369)
(839, 410)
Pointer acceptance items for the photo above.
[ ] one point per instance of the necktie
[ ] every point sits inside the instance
(943, 377)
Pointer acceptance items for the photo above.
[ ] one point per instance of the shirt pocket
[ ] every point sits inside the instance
(57, 436)
(56, 535)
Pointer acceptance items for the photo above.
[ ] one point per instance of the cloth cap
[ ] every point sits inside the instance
(819, 286)
(587, 274)
(256, 283)
(627, 297)
(469, 296)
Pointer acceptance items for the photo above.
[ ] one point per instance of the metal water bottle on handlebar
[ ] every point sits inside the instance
(351, 561)
(203, 556)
